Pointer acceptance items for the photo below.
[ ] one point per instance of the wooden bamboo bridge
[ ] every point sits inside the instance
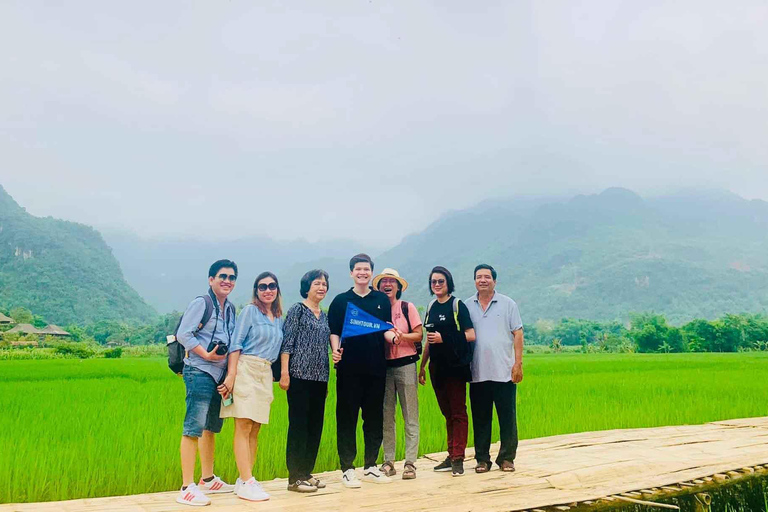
(556, 473)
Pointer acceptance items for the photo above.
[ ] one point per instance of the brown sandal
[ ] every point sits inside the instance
(483, 467)
(409, 471)
(388, 469)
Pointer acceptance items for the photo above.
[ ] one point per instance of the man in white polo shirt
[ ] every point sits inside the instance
(497, 368)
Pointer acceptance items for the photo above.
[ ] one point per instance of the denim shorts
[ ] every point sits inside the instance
(203, 403)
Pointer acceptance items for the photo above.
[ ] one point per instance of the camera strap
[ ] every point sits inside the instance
(227, 308)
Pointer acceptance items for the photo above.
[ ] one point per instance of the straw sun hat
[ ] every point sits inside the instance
(389, 272)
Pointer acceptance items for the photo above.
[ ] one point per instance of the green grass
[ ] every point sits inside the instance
(73, 429)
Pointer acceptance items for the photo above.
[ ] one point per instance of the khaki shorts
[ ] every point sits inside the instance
(252, 395)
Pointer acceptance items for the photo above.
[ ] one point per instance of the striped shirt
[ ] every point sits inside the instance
(256, 335)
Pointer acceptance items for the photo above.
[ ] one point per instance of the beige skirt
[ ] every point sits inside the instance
(252, 394)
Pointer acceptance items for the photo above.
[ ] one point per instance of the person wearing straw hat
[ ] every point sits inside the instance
(402, 382)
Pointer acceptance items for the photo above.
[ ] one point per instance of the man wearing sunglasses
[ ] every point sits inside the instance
(205, 331)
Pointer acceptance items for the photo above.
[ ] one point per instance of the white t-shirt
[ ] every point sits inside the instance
(494, 345)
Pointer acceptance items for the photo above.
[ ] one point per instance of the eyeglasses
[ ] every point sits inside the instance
(437, 281)
(263, 287)
(232, 277)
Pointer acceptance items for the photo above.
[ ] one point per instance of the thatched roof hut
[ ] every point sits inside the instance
(25, 329)
(6, 320)
(54, 330)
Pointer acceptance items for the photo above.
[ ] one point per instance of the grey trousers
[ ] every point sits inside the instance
(402, 384)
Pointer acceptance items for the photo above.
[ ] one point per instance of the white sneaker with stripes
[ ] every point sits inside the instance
(215, 486)
(192, 495)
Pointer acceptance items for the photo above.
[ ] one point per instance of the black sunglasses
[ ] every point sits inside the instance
(263, 287)
(437, 281)
(232, 277)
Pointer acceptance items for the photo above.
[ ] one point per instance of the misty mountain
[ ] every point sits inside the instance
(692, 254)
(169, 273)
(602, 256)
(61, 270)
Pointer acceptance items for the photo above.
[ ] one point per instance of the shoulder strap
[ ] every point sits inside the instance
(208, 310)
(404, 309)
(456, 313)
(429, 307)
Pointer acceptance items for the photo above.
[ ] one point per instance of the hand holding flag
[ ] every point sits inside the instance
(358, 322)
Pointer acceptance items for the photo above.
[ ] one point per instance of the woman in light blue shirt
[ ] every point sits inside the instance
(255, 346)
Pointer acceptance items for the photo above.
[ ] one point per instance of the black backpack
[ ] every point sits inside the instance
(176, 351)
(404, 308)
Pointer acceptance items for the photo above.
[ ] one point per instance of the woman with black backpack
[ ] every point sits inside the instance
(449, 349)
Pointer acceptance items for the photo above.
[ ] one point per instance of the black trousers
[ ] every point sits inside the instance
(306, 410)
(355, 392)
(483, 396)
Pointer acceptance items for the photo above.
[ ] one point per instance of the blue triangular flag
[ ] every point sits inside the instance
(358, 322)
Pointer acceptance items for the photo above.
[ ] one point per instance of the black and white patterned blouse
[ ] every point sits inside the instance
(307, 338)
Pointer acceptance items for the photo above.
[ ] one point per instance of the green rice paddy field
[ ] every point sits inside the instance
(74, 429)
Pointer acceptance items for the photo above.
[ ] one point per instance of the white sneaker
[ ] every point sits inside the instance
(192, 495)
(215, 486)
(252, 491)
(238, 483)
(372, 474)
(349, 479)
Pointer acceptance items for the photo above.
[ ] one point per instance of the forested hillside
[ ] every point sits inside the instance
(603, 256)
(62, 271)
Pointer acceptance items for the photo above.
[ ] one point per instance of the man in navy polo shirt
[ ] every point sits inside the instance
(497, 368)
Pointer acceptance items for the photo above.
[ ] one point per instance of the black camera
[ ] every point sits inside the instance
(429, 327)
(221, 348)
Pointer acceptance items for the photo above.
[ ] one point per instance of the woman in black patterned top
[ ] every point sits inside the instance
(305, 369)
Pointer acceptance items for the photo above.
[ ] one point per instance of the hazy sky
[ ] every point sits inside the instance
(367, 119)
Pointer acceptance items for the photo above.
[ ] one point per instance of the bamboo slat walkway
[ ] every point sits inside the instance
(553, 473)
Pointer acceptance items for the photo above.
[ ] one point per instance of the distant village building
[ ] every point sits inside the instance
(24, 329)
(54, 330)
(6, 320)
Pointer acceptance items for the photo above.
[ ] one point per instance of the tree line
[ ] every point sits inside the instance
(645, 332)
(650, 332)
